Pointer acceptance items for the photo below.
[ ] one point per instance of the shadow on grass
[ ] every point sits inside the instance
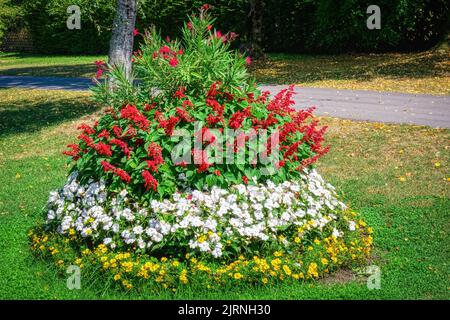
(77, 71)
(35, 112)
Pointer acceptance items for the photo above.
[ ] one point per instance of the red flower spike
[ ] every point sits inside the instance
(149, 181)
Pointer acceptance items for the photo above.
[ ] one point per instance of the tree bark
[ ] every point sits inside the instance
(256, 15)
(122, 38)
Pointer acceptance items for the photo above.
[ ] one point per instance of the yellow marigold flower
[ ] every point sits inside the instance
(362, 223)
(287, 270)
(202, 239)
(71, 231)
(310, 248)
(265, 280)
(175, 263)
(295, 276)
(237, 276)
(42, 247)
(183, 276)
(117, 277)
(324, 261)
(163, 259)
(316, 241)
(297, 240)
(278, 253)
(312, 270)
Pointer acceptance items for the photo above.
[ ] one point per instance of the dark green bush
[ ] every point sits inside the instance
(289, 25)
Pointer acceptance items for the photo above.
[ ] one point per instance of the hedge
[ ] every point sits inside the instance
(296, 26)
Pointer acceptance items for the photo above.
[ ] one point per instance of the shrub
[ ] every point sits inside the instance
(144, 206)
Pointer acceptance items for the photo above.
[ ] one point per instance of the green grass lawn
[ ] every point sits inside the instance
(397, 176)
(424, 72)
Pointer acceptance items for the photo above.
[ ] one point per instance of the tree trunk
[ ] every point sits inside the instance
(256, 14)
(122, 38)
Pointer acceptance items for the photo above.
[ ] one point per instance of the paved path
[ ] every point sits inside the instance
(350, 104)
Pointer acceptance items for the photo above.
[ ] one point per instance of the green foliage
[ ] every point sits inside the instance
(288, 25)
(9, 14)
(47, 23)
(195, 112)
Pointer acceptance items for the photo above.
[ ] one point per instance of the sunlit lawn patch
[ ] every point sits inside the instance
(424, 72)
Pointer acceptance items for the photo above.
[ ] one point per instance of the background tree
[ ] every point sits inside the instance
(256, 35)
(122, 37)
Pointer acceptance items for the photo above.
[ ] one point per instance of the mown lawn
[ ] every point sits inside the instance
(397, 176)
(423, 72)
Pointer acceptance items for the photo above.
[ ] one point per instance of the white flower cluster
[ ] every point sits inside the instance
(204, 221)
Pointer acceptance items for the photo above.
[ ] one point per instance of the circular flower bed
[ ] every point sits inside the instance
(146, 206)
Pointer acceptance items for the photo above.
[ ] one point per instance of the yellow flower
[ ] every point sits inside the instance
(287, 270)
(183, 276)
(324, 261)
(117, 277)
(277, 253)
(163, 259)
(297, 240)
(237, 276)
(312, 270)
(265, 280)
(316, 241)
(175, 263)
(202, 239)
(437, 164)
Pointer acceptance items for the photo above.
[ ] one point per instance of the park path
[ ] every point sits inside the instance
(389, 107)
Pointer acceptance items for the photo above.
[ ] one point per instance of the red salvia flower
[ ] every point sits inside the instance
(117, 131)
(168, 125)
(123, 175)
(74, 153)
(86, 128)
(122, 144)
(245, 179)
(184, 115)
(88, 140)
(180, 93)
(187, 103)
(149, 180)
(154, 152)
(103, 134)
(103, 149)
(107, 167)
(132, 113)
